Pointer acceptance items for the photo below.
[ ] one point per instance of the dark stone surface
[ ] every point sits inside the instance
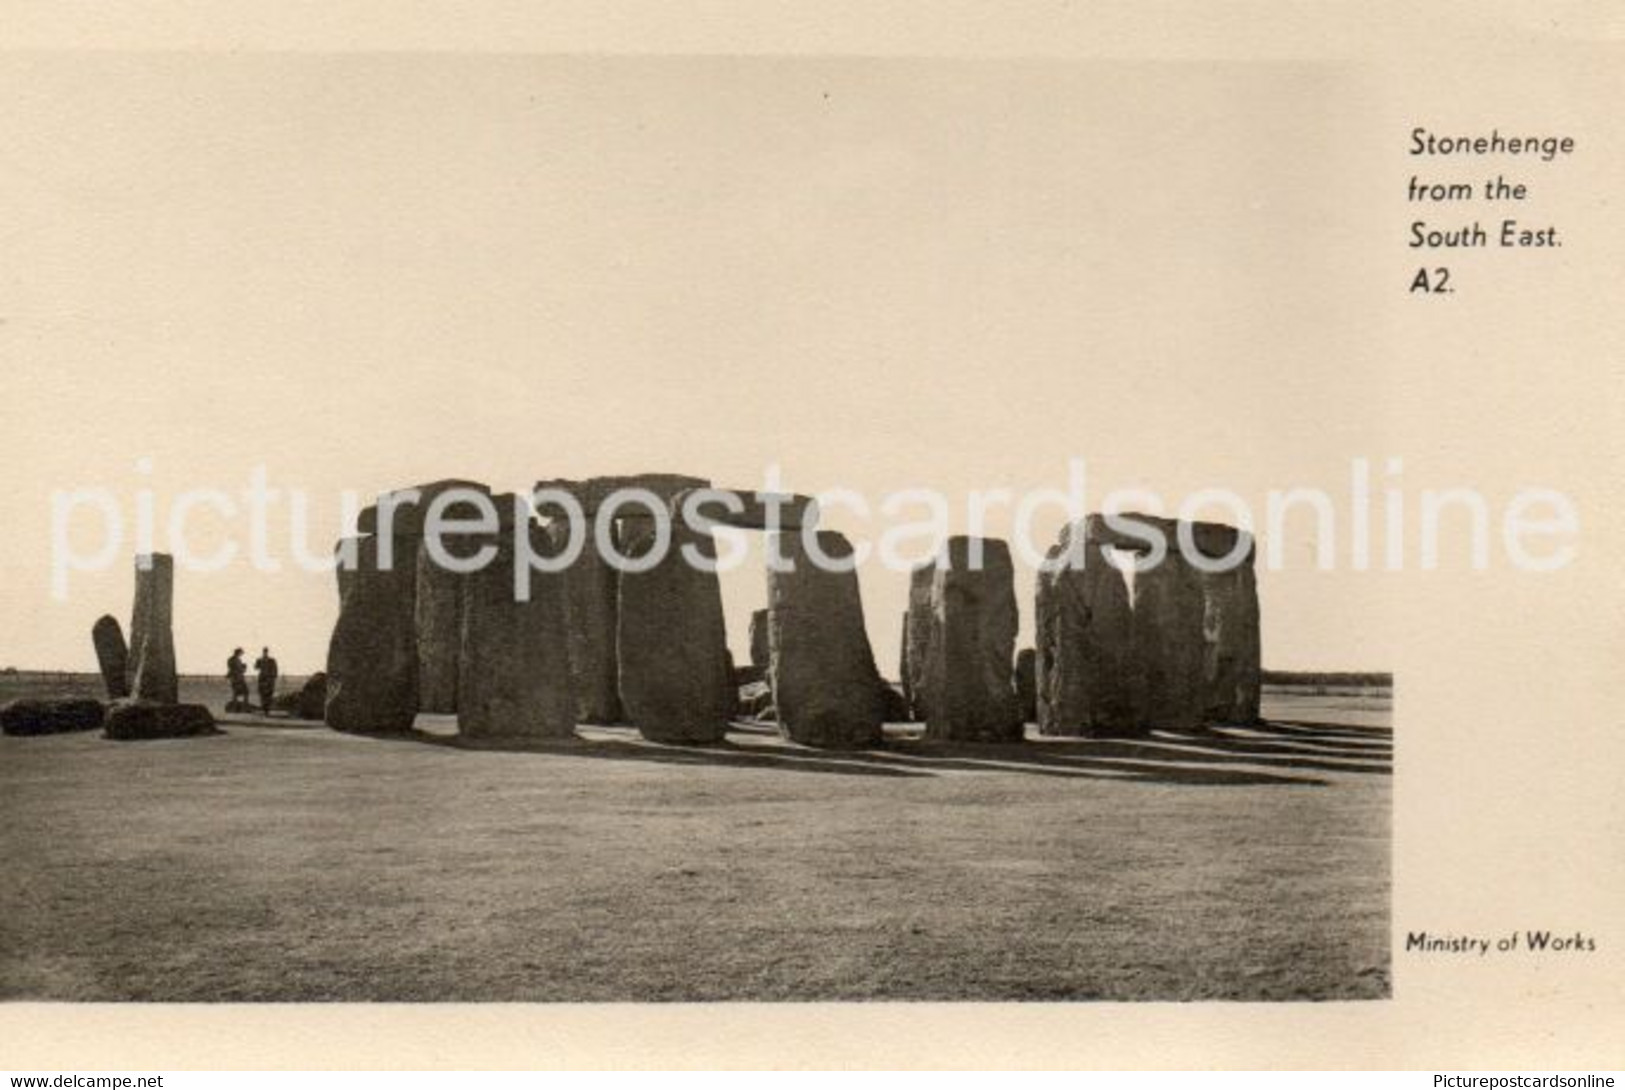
(593, 492)
(438, 628)
(1168, 643)
(112, 656)
(372, 658)
(1088, 679)
(917, 631)
(967, 686)
(31, 716)
(1232, 674)
(306, 702)
(141, 720)
(671, 642)
(515, 657)
(152, 636)
(1026, 681)
(591, 604)
(793, 512)
(408, 517)
(761, 653)
(825, 685)
(1185, 653)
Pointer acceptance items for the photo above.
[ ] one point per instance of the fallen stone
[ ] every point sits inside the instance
(112, 656)
(152, 637)
(893, 704)
(34, 716)
(671, 641)
(372, 658)
(515, 657)
(141, 720)
(306, 702)
(967, 686)
(825, 685)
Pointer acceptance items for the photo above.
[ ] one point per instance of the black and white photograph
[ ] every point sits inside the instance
(514, 526)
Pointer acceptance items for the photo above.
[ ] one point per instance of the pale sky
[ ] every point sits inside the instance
(368, 271)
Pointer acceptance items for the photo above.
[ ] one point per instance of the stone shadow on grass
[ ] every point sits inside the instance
(1201, 759)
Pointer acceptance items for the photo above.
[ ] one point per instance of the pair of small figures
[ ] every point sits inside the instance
(237, 674)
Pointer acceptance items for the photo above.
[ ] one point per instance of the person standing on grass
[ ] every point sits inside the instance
(237, 674)
(266, 665)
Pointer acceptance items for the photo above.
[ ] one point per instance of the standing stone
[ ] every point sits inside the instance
(1087, 675)
(917, 630)
(969, 693)
(1026, 682)
(112, 655)
(671, 640)
(825, 685)
(1230, 632)
(438, 625)
(152, 637)
(372, 659)
(760, 645)
(515, 655)
(1168, 643)
(906, 686)
(590, 595)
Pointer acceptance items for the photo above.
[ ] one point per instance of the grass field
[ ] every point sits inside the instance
(281, 861)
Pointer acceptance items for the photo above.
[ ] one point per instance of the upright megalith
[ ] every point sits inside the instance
(967, 681)
(590, 593)
(761, 648)
(372, 657)
(1180, 649)
(670, 638)
(152, 636)
(1026, 682)
(449, 521)
(112, 656)
(1231, 672)
(1168, 645)
(438, 626)
(1088, 679)
(822, 670)
(592, 583)
(515, 656)
(917, 631)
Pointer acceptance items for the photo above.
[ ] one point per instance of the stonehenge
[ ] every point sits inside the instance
(515, 657)
(152, 637)
(590, 596)
(822, 670)
(1026, 682)
(592, 587)
(969, 646)
(372, 656)
(112, 656)
(1179, 650)
(671, 641)
(1122, 646)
